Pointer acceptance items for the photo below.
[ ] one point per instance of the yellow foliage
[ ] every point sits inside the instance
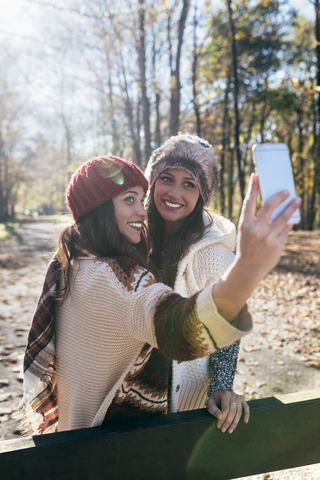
(239, 35)
(317, 89)
(295, 82)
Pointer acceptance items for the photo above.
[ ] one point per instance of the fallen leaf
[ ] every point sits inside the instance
(250, 348)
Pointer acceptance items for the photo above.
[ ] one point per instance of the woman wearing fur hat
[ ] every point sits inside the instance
(193, 248)
(104, 330)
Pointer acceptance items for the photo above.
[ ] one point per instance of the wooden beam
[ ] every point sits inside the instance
(179, 446)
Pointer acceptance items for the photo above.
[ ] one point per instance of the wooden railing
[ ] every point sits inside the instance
(283, 432)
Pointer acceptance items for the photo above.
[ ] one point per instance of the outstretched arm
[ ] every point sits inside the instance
(259, 247)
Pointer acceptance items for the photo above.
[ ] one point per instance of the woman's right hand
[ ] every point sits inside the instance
(259, 247)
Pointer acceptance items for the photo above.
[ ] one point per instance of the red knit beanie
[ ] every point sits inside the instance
(101, 179)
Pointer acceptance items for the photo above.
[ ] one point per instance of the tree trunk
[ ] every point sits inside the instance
(115, 137)
(300, 176)
(138, 120)
(224, 146)
(2, 184)
(230, 170)
(157, 93)
(236, 107)
(194, 74)
(142, 69)
(129, 114)
(248, 138)
(317, 32)
(175, 73)
(316, 184)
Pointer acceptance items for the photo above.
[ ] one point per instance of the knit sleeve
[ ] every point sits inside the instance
(223, 367)
(211, 263)
(181, 328)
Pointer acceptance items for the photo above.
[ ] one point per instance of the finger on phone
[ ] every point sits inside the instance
(250, 202)
(284, 217)
(271, 204)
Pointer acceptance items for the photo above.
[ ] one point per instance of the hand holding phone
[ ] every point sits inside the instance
(273, 166)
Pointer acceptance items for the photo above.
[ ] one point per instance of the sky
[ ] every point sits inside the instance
(13, 14)
(18, 24)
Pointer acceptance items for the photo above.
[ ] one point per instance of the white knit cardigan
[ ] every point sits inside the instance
(204, 264)
(101, 329)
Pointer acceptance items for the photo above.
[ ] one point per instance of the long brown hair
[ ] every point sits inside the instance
(178, 244)
(98, 232)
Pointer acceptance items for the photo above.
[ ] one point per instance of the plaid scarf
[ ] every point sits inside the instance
(39, 407)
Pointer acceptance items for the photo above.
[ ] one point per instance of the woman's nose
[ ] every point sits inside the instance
(141, 211)
(174, 191)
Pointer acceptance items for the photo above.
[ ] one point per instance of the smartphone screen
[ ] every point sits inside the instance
(273, 166)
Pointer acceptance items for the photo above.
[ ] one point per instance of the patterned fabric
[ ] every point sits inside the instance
(144, 391)
(108, 346)
(114, 310)
(40, 390)
(205, 263)
(39, 406)
(223, 365)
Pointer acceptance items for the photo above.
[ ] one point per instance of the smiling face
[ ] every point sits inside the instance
(176, 194)
(130, 213)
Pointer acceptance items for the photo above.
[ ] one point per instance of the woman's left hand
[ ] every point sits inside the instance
(227, 407)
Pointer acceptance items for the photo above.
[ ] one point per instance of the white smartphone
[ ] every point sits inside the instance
(273, 166)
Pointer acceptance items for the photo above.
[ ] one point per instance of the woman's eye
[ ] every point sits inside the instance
(129, 199)
(189, 184)
(166, 179)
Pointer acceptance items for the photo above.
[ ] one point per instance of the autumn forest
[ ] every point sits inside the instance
(85, 78)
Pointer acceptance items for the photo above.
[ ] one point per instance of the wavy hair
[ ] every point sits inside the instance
(98, 232)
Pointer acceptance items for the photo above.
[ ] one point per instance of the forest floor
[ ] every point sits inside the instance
(280, 356)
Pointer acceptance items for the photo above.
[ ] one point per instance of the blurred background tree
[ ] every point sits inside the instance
(81, 78)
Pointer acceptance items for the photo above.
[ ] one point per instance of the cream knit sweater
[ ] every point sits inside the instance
(204, 264)
(113, 314)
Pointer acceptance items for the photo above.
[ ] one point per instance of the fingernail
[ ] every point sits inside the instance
(297, 201)
(223, 430)
(286, 192)
(231, 430)
(218, 426)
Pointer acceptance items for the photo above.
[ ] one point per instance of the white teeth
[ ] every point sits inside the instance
(137, 225)
(173, 205)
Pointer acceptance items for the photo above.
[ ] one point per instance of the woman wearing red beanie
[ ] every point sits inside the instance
(104, 331)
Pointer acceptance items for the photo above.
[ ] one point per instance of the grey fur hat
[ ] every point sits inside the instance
(191, 153)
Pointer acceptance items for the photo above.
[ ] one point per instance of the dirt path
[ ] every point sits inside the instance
(281, 356)
(23, 263)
